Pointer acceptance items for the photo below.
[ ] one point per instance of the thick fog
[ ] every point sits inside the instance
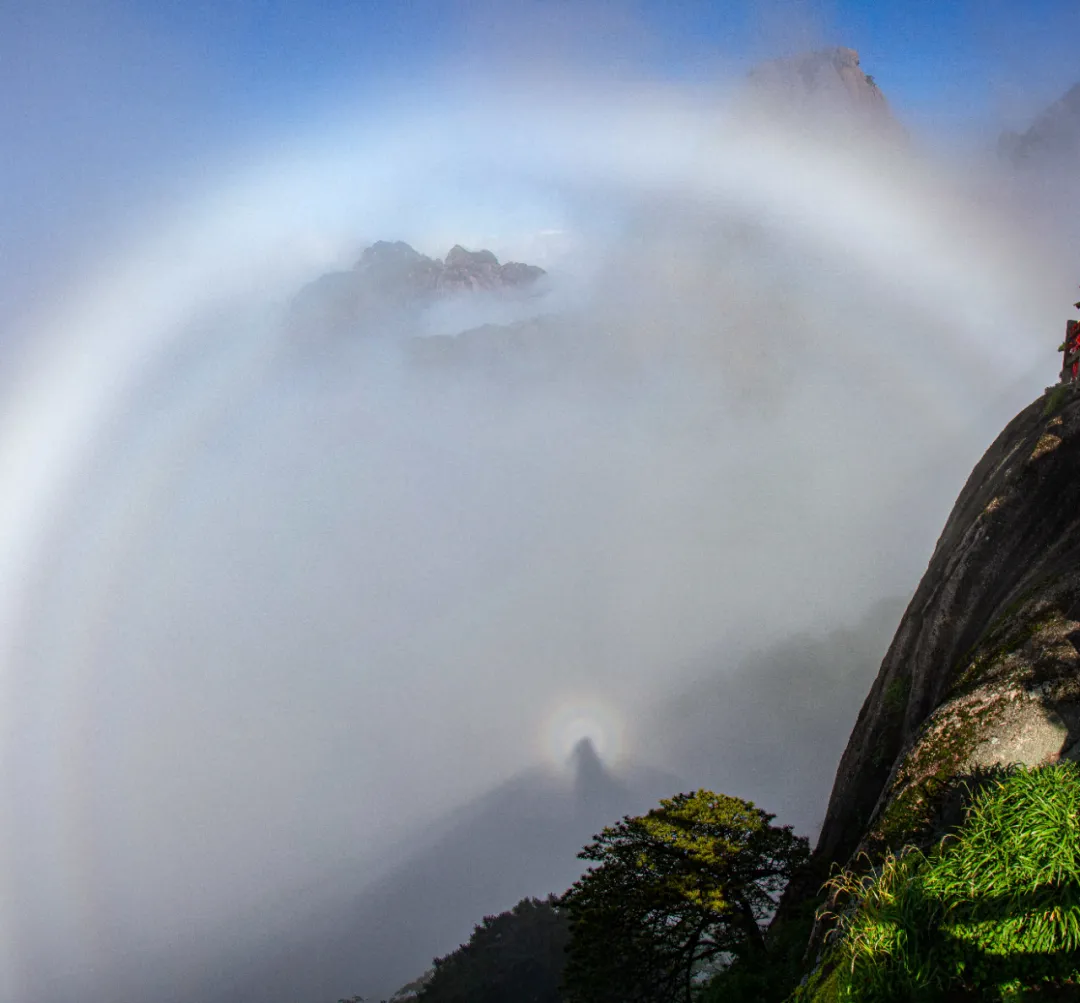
(284, 612)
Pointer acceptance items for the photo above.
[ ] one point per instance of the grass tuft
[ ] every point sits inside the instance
(1055, 399)
(988, 913)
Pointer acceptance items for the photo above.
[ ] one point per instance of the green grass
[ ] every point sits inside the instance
(992, 913)
(1055, 399)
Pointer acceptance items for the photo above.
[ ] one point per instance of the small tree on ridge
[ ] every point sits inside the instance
(678, 892)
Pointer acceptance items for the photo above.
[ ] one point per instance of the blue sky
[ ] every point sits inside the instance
(975, 59)
(111, 103)
(273, 57)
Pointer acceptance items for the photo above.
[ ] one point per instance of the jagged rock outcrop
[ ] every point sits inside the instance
(1054, 135)
(828, 84)
(468, 270)
(392, 282)
(985, 666)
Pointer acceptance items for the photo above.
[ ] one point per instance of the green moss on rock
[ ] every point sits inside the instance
(942, 750)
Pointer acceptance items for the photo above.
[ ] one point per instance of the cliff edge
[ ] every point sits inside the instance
(985, 666)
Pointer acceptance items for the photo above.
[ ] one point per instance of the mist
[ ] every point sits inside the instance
(284, 612)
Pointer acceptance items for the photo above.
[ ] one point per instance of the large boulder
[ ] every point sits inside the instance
(984, 669)
(985, 666)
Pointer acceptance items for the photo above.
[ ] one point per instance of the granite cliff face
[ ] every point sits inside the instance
(985, 666)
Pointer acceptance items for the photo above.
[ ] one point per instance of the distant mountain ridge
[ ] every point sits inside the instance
(1055, 134)
(392, 281)
(519, 839)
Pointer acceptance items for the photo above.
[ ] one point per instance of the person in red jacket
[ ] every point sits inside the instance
(1070, 367)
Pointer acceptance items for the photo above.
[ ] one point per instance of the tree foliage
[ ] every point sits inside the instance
(515, 957)
(678, 892)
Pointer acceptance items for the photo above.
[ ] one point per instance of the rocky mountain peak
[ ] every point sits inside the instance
(458, 257)
(386, 252)
(391, 277)
(828, 82)
(464, 269)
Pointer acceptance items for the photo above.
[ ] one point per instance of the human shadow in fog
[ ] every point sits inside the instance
(520, 839)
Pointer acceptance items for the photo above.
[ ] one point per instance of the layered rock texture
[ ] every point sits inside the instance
(392, 282)
(984, 669)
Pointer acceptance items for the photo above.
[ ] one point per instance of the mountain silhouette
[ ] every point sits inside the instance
(519, 839)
